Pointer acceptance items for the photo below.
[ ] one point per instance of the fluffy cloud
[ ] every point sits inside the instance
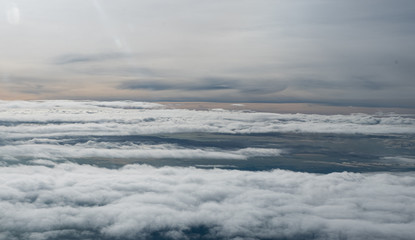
(75, 118)
(141, 202)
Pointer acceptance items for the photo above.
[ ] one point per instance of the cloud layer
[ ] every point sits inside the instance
(52, 151)
(39, 119)
(44, 196)
(142, 202)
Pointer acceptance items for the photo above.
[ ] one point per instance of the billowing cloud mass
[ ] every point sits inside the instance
(141, 202)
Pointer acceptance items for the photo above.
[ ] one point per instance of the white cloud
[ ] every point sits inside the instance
(86, 202)
(77, 105)
(75, 118)
(409, 160)
(93, 149)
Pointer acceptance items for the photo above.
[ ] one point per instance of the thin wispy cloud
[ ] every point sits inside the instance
(81, 58)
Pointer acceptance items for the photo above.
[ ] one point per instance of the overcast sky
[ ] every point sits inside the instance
(358, 53)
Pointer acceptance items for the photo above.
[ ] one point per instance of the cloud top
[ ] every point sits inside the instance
(143, 202)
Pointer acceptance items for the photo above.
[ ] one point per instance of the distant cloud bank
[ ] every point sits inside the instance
(20, 119)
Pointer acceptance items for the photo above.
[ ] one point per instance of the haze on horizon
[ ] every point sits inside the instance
(357, 53)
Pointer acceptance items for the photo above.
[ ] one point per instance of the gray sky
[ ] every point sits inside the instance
(359, 53)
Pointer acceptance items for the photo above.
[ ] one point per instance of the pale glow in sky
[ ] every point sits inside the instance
(357, 53)
(13, 15)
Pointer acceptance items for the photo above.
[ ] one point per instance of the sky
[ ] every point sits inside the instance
(351, 53)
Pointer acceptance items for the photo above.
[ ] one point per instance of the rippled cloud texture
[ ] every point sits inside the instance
(43, 195)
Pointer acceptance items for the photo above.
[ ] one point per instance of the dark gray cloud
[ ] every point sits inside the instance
(149, 85)
(359, 90)
(109, 64)
(27, 84)
(214, 84)
(157, 85)
(354, 83)
(119, 72)
(86, 58)
(250, 86)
